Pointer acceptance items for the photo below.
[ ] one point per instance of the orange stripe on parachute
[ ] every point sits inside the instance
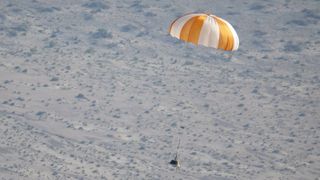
(192, 28)
(226, 39)
(184, 34)
(196, 29)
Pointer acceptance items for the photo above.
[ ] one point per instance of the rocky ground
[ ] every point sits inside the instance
(99, 90)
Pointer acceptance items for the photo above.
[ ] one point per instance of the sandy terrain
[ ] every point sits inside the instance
(99, 90)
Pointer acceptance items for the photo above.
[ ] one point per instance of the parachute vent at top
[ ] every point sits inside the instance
(207, 30)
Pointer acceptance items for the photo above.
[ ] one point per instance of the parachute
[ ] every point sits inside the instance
(205, 29)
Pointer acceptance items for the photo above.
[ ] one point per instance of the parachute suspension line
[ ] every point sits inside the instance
(177, 154)
(177, 150)
(179, 133)
(175, 162)
(230, 55)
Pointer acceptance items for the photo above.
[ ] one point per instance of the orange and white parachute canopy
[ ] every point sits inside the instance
(205, 29)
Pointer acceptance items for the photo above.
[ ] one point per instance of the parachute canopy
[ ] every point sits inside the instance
(205, 29)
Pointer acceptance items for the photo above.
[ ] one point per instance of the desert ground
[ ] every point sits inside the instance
(97, 89)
